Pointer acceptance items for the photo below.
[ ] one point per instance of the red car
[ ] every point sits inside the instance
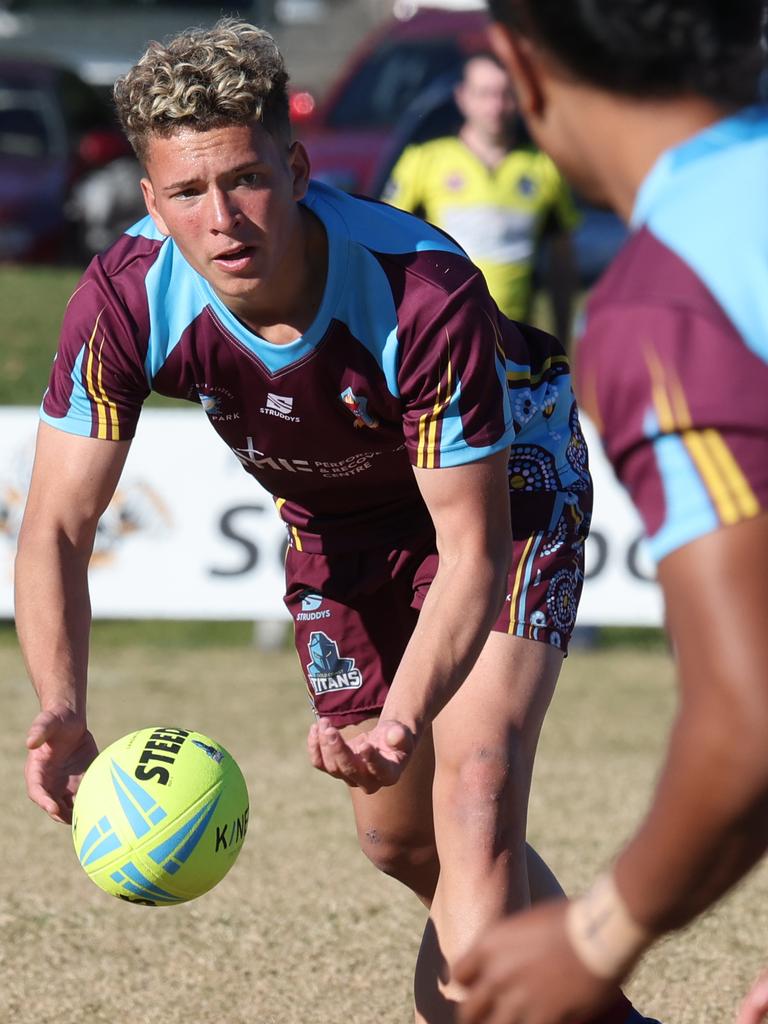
(348, 135)
(57, 139)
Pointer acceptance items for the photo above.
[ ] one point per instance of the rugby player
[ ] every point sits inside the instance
(651, 108)
(495, 193)
(352, 359)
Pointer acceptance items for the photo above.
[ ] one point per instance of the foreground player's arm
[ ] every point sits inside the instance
(469, 506)
(708, 823)
(72, 482)
(754, 1009)
(709, 820)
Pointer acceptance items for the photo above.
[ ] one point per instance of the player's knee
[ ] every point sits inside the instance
(486, 792)
(404, 856)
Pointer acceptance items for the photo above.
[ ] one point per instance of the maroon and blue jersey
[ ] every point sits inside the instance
(407, 363)
(673, 365)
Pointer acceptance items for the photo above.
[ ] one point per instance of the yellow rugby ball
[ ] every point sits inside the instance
(160, 816)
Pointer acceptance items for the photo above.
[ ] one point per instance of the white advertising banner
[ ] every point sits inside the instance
(190, 535)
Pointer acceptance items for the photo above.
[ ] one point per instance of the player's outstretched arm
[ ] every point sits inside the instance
(707, 824)
(754, 1009)
(72, 482)
(469, 506)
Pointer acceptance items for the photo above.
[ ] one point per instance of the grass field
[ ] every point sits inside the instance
(303, 930)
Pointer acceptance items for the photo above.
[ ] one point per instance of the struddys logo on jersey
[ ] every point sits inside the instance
(311, 607)
(327, 670)
(358, 406)
(280, 406)
(216, 402)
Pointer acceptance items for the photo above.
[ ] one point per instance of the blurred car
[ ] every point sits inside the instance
(398, 90)
(348, 134)
(100, 39)
(61, 153)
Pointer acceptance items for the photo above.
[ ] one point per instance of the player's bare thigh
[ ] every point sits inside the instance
(503, 700)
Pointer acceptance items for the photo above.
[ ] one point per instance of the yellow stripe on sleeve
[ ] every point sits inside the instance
(661, 400)
(94, 381)
(696, 445)
(425, 458)
(743, 495)
(439, 407)
(721, 474)
(496, 336)
(95, 397)
(296, 539)
(105, 398)
(420, 455)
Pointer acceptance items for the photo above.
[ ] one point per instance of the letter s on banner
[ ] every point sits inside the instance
(231, 527)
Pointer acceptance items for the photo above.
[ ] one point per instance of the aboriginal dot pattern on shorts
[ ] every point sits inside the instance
(532, 468)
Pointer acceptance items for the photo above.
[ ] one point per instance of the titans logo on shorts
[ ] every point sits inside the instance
(673, 367)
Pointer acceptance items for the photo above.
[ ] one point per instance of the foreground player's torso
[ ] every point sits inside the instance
(403, 365)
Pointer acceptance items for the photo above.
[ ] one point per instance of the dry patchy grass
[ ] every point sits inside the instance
(303, 930)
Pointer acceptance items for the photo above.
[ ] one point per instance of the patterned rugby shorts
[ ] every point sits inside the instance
(354, 612)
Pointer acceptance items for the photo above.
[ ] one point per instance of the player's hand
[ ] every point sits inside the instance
(754, 1009)
(524, 971)
(369, 760)
(60, 749)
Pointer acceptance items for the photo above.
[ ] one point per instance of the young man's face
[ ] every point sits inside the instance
(486, 99)
(228, 198)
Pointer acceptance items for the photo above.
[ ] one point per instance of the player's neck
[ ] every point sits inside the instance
(289, 311)
(646, 130)
(490, 149)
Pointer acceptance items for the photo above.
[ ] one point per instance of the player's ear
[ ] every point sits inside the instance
(520, 58)
(149, 201)
(298, 161)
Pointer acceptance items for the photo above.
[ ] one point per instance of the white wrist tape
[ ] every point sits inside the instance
(604, 936)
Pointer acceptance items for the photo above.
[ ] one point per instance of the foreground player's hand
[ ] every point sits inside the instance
(60, 749)
(524, 970)
(754, 1009)
(369, 760)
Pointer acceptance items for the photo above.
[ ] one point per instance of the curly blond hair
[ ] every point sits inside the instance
(204, 78)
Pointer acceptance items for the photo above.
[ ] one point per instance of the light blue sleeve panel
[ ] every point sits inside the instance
(689, 510)
(707, 200)
(455, 450)
(78, 418)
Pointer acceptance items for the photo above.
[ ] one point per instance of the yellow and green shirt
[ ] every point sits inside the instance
(496, 214)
